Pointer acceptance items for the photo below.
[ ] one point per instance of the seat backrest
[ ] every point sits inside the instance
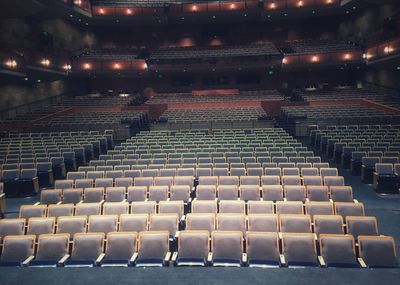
(337, 249)
(52, 247)
(204, 206)
(87, 246)
(39, 225)
(230, 207)
(366, 226)
(295, 223)
(193, 244)
(328, 224)
(342, 193)
(289, 207)
(201, 221)
(133, 223)
(164, 222)
(299, 248)
(379, 251)
(71, 225)
(180, 192)
(229, 180)
(153, 245)
(144, 207)
(10, 227)
(227, 245)
(102, 224)
(206, 192)
(28, 211)
(17, 248)
(349, 209)
(87, 209)
(121, 245)
(262, 246)
(262, 223)
(231, 222)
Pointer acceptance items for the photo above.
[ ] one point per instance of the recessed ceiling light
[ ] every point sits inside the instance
(71, 16)
(398, 68)
(38, 80)
(26, 78)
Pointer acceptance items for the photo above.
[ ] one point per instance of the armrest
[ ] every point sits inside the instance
(190, 200)
(280, 235)
(36, 204)
(210, 257)
(282, 259)
(284, 200)
(174, 256)
(80, 202)
(133, 258)
(330, 200)
(321, 261)
(176, 234)
(183, 218)
(362, 262)
(355, 200)
(64, 259)
(124, 200)
(27, 261)
(100, 258)
(102, 202)
(59, 203)
(167, 257)
(244, 258)
(2, 195)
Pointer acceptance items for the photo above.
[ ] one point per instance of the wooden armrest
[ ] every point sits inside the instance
(2, 195)
(167, 257)
(63, 259)
(209, 257)
(244, 258)
(362, 262)
(80, 202)
(123, 201)
(177, 234)
(26, 262)
(321, 261)
(355, 200)
(282, 259)
(174, 256)
(36, 204)
(59, 203)
(133, 258)
(100, 258)
(102, 201)
(330, 200)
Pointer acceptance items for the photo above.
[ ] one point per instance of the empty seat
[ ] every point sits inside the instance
(73, 196)
(226, 206)
(333, 181)
(272, 192)
(164, 222)
(227, 248)
(200, 221)
(133, 223)
(319, 208)
(295, 192)
(317, 193)
(289, 207)
(51, 196)
(262, 249)
(93, 195)
(229, 180)
(250, 192)
(342, 193)
(51, 249)
(349, 209)
(231, 222)
(87, 209)
(312, 180)
(250, 180)
(378, 251)
(158, 193)
(180, 192)
(291, 180)
(136, 193)
(365, 226)
(102, 224)
(62, 184)
(11, 227)
(338, 250)
(227, 192)
(83, 183)
(115, 208)
(27, 211)
(17, 250)
(87, 248)
(193, 248)
(115, 194)
(328, 224)
(262, 223)
(153, 248)
(147, 207)
(299, 249)
(57, 210)
(206, 192)
(120, 250)
(71, 225)
(295, 223)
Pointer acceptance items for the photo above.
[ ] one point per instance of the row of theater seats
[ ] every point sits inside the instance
(178, 208)
(207, 115)
(196, 248)
(260, 95)
(203, 192)
(349, 93)
(335, 113)
(319, 46)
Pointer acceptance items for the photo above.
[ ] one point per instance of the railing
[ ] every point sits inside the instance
(385, 49)
(317, 58)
